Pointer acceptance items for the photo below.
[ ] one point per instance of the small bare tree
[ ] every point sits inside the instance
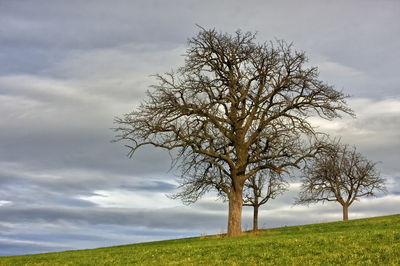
(339, 173)
(229, 110)
(260, 188)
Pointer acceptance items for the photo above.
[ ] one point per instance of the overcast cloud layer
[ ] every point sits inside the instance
(67, 68)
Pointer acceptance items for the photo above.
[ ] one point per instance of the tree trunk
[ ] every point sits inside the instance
(235, 211)
(255, 219)
(345, 212)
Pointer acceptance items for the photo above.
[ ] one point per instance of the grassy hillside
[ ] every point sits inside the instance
(372, 241)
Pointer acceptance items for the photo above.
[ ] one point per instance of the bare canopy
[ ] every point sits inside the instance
(260, 188)
(339, 173)
(230, 112)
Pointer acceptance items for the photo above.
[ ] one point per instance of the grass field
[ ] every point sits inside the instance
(372, 241)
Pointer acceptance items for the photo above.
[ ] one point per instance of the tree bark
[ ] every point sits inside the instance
(235, 211)
(345, 212)
(255, 218)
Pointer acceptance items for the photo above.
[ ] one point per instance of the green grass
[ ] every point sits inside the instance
(372, 241)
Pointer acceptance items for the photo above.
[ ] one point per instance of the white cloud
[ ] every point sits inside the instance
(40, 88)
(375, 130)
(119, 198)
(336, 70)
(5, 202)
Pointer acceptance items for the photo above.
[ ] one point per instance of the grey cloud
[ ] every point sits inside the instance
(77, 26)
(84, 24)
(8, 247)
(68, 136)
(212, 204)
(37, 239)
(151, 186)
(33, 38)
(66, 188)
(154, 219)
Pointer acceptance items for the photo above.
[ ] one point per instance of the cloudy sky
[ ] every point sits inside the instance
(67, 68)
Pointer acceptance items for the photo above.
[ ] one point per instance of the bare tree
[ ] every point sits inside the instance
(339, 173)
(228, 110)
(260, 188)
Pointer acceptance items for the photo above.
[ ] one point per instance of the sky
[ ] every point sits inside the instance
(68, 68)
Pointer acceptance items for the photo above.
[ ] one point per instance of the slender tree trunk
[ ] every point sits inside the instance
(255, 219)
(345, 212)
(235, 211)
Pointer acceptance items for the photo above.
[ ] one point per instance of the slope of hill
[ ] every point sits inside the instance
(371, 241)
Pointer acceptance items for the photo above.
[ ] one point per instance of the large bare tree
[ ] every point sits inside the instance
(260, 188)
(339, 173)
(228, 110)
